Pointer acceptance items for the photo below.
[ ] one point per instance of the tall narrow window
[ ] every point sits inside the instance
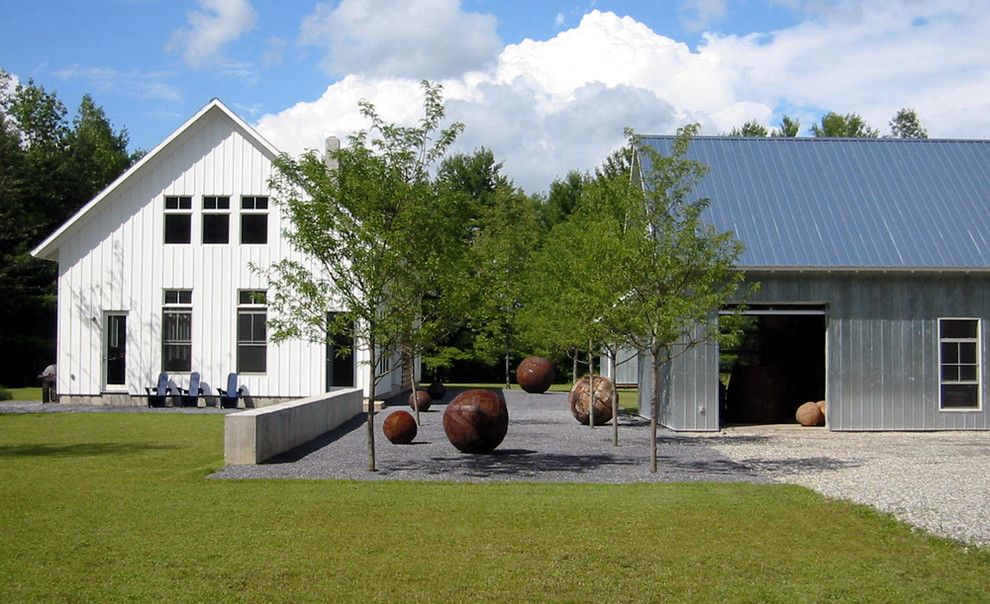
(178, 219)
(959, 364)
(254, 219)
(252, 331)
(177, 330)
(216, 219)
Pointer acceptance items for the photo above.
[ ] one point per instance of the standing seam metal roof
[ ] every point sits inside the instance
(848, 203)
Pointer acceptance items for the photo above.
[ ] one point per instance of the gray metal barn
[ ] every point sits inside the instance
(874, 262)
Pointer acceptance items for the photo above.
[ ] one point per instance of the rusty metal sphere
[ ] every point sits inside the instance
(534, 374)
(579, 399)
(476, 421)
(810, 414)
(437, 390)
(423, 397)
(399, 428)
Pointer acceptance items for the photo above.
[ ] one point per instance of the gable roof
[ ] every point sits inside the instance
(830, 203)
(48, 248)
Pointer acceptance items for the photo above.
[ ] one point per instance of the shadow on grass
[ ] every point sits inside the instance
(79, 450)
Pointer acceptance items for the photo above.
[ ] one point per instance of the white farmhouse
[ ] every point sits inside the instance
(154, 276)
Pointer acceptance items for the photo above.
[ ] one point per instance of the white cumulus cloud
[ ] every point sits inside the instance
(402, 38)
(548, 106)
(215, 24)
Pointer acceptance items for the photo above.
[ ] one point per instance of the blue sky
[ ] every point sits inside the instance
(548, 85)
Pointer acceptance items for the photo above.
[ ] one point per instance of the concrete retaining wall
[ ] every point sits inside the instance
(255, 435)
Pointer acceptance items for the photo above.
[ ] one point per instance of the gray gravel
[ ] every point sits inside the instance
(937, 481)
(544, 443)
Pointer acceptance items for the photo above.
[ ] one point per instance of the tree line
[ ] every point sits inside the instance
(50, 166)
(904, 124)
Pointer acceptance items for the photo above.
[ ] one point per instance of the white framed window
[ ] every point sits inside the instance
(385, 364)
(252, 331)
(178, 219)
(254, 219)
(177, 330)
(216, 219)
(960, 364)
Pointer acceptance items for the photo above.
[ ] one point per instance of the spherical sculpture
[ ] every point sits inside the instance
(579, 399)
(476, 421)
(437, 390)
(534, 375)
(423, 398)
(399, 428)
(810, 414)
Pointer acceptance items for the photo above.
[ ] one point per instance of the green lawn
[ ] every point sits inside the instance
(31, 393)
(108, 507)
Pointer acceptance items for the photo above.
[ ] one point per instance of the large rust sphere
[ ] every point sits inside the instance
(423, 397)
(534, 374)
(437, 390)
(579, 399)
(476, 421)
(810, 414)
(399, 428)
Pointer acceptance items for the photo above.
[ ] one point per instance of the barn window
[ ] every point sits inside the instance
(177, 330)
(254, 219)
(252, 331)
(216, 219)
(959, 364)
(178, 219)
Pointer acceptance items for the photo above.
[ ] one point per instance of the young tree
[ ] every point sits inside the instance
(362, 218)
(676, 269)
(849, 125)
(751, 129)
(905, 124)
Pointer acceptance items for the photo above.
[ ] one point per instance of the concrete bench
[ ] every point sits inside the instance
(254, 435)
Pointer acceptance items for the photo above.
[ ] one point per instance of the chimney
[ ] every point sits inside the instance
(332, 146)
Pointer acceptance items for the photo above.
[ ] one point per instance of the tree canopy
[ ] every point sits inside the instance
(850, 125)
(905, 124)
(49, 168)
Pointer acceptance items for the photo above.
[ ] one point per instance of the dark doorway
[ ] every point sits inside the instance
(778, 365)
(340, 358)
(115, 351)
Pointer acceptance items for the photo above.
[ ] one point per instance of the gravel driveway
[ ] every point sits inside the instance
(939, 481)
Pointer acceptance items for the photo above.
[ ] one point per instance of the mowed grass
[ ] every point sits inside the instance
(110, 507)
(30, 393)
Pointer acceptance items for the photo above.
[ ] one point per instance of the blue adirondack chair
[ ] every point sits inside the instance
(159, 392)
(190, 396)
(230, 397)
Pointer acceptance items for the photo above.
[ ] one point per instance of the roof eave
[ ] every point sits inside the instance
(48, 249)
(865, 269)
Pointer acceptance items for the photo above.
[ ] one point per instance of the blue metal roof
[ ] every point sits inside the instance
(830, 203)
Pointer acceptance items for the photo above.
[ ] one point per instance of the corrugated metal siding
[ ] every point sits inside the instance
(117, 261)
(853, 203)
(882, 350)
(623, 369)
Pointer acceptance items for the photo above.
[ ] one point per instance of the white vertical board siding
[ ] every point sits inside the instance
(115, 260)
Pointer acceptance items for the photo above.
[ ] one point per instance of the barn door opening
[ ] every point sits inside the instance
(340, 367)
(114, 350)
(778, 365)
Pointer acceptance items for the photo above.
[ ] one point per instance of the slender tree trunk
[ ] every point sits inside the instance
(574, 370)
(372, 370)
(655, 409)
(411, 364)
(507, 385)
(591, 388)
(615, 404)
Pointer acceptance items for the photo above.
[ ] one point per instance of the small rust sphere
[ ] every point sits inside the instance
(423, 397)
(399, 428)
(476, 421)
(578, 398)
(437, 390)
(810, 414)
(534, 374)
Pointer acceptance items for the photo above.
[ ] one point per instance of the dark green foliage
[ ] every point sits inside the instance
(49, 168)
(905, 124)
(752, 129)
(850, 125)
(563, 198)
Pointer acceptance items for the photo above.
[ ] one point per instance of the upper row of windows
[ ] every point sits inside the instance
(216, 219)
